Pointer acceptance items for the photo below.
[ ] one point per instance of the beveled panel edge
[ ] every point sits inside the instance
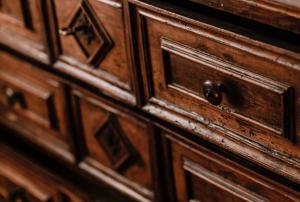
(228, 38)
(273, 160)
(116, 182)
(28, 49)
(219, 181)
(278, 14)
(90, 165)
(104, 87)
(226, 160)
(226, 139)
(45, 51)
(284, 91)
(26, 19)
(44, 94)
(59, 149)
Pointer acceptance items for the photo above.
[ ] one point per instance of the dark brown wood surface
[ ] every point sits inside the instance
(101, 50)
(38, 110)
(175, 66)
(116, 144)
(22, 180)
(200, 175)
(164, 100)
(283, 14)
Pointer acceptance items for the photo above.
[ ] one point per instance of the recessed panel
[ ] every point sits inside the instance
(93, 40)
(248, 95)
(17, 9)
(114, 143)
(201, 175)
(23, 27)
(32, 103)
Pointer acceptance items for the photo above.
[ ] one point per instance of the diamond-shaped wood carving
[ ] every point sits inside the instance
(89, 33)
(114, 143)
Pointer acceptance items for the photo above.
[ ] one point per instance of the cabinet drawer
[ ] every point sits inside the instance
(22, 24)
(213, 77)
(33, 102)
(92, 37)
(115, 144)
(200, 175)
(21, 180)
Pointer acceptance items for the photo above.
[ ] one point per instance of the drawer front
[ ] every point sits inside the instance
(22, 24)
(28, 99)
(200, 175)
(200, 78)
(33, 102)
(12, 192)
(92, 36)
(206, 75)
(116, 144)
(23, 181)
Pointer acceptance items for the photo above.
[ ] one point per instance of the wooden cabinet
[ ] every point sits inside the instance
(139, 100)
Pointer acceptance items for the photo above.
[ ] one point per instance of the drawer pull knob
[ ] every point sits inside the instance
(213, 92)
(82, 26)
(66, 31)
(13, 97)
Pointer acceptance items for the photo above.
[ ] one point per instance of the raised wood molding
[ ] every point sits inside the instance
(282, 94)
(279, 13)
(94, 41)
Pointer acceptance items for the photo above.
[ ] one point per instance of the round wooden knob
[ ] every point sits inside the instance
(213, 92)
(12, 96)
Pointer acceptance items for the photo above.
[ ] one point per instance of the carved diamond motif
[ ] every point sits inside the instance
(114, 143)
(90, 34)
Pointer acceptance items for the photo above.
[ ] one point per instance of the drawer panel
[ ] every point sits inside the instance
(190, 73)
(22, 24)
(116, 144)
(198, 174)
(33, 103)
(27, 99)
(12, 192)
(199, 76)
(93, 37)
(21, 180)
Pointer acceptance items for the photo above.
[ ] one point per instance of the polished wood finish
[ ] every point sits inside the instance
(200, 175)
(174, 66)
(283, 14)
(149, 100)
(22, 180)
(33, 102)
(22, 26)
(104, 55)
(114, 143)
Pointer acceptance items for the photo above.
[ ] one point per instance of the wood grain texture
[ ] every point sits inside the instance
(139, 100)
(22, 22)
(201, 175)
(174, 90)
(114, 143)
(23, 180)
(279, 13)
(106, 56)
(40, 113)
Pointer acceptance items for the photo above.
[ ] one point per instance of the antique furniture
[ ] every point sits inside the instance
(139, 100)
